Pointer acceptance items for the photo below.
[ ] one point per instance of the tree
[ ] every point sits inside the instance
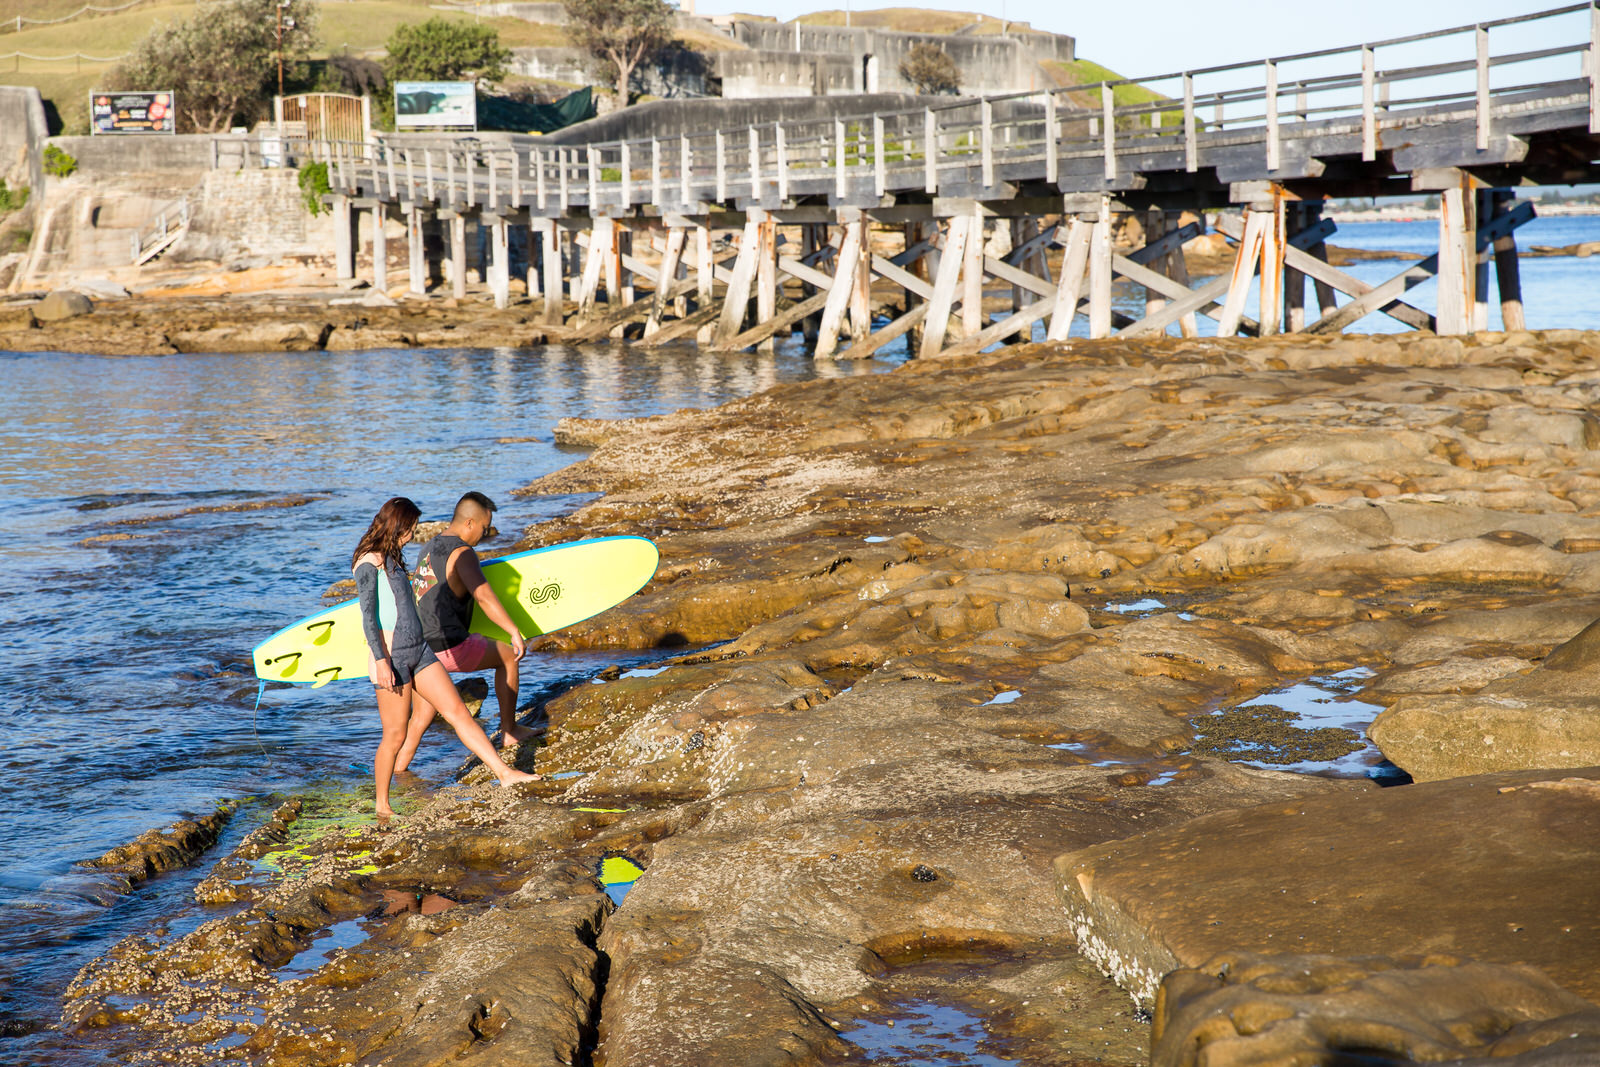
(445, 50)
(621, 33)
(222, 64)
(930, 70)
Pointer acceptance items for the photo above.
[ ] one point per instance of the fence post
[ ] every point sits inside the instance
(986, 141)
(755, 163)
(1482, 36)
(685, 165)
(1108, 136)
(627, 176)
(1369, 115)
(880, 174)
(839, 186)
(1272, 115)
(1052, 170)
(722, 167)
(930, 151)
(1594, 67)
(1191, 150)
(655, 171)
(591, 157)
(783, 161)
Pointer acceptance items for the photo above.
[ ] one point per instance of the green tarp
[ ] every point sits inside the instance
(506, 113)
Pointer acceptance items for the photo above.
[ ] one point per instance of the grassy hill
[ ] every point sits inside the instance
(912, 20)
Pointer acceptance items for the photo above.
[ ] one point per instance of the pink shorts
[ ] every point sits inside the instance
(467, 656)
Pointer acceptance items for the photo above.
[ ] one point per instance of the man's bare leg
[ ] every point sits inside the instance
(506, 678)
(434, 681)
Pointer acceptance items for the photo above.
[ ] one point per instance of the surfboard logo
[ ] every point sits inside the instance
(545, 594)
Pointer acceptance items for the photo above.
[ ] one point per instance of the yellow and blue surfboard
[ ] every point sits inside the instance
(543, 590)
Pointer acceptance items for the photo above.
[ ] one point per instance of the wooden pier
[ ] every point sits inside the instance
(863, 230)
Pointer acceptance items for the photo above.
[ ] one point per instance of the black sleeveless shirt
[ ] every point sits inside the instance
(446, 618)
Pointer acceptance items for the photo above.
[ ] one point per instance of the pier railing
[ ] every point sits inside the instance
(1270, 115)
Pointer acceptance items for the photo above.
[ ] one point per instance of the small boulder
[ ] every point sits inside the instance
(62, 304)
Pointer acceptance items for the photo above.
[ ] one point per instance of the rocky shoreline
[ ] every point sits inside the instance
(944, 652)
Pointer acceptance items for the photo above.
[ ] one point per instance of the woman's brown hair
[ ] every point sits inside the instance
(395, 519)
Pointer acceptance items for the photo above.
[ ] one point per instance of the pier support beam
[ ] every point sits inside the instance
(499, 266)
(766, 276)
(457, 263)
(416, 253)
(1508, 277)
(853, 227)
(704, 278)
(1458, 248)
(736, 300)
(1262, 248)
(380, 251)
(551, 271)
(344, 238)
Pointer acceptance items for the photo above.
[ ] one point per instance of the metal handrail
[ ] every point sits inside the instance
(983, 133)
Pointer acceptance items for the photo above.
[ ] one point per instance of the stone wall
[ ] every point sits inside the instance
(766, 73)
(108, 156)
(253, 214)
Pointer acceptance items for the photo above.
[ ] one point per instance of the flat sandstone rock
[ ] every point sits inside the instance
(1498, 868)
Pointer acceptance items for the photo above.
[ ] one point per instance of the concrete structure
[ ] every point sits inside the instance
(837, 59)
(22, 132)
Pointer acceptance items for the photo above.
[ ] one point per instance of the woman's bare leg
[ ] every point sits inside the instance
(421, 716)
(433, 681)
(393, 708)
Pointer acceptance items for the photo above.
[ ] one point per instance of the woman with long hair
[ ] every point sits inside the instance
(400, 661)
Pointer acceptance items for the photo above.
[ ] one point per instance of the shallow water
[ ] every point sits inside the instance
(917, 1032)
(145, 567)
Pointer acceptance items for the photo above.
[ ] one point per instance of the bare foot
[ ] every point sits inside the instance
(515, 735)
(385, 812)
(514, 776)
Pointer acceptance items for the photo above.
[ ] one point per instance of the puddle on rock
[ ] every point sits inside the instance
(617, 875)
(1147, 606)
(324, 943)
(642, 672)
(1097, 757)
(1312, 727)
(917, 1032)
(1004, 697)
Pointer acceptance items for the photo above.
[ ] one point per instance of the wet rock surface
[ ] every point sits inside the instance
(155, 325)
(922, 636)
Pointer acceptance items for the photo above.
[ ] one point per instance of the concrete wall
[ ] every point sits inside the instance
(756, 74)
(22, 134)
(109, 156)
(988, 64)
(669, 118)
(253, 214)
(677, 73)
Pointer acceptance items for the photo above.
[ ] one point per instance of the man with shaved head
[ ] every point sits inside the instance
(450, 584)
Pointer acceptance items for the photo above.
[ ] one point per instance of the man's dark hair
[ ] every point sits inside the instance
(474, 497)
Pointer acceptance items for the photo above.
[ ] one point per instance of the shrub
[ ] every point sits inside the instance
(930, 70)
(314, 186)
(11, 199)
(57, 162)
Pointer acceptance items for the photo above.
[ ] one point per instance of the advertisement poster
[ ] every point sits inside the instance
(435, 104)
(132, 112)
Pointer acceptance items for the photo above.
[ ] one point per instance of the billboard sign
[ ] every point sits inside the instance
(132, 112)
(435, 104)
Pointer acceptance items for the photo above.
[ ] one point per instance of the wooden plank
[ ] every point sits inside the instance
(670, 258)
(774, 324)
(766, 273)
(704, 318)
(1244, 268)
(736, 300)
(868, 346)
(893, 272)
(944, 286)
(1377, 297)
(1073, 267)
(838, 296)
(1004, 328)
(1100, 316)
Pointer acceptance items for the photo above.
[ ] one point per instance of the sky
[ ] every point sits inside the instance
(1149, 37)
